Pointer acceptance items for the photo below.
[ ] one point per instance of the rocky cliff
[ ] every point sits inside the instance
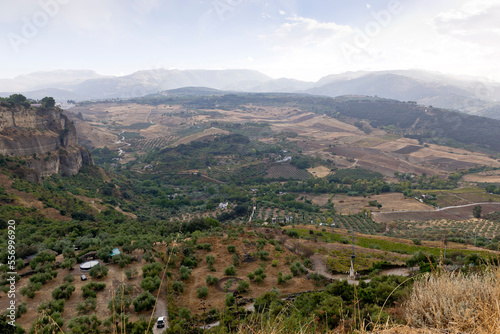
(46, 139)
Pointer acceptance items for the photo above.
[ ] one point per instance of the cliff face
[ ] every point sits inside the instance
(47, 140)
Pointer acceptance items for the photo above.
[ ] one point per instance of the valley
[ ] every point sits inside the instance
(221, 204)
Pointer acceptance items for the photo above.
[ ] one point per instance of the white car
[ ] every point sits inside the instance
(160, 322)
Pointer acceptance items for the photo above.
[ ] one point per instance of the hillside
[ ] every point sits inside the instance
(232, 209)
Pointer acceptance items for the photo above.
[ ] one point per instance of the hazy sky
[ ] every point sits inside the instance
(302, 39)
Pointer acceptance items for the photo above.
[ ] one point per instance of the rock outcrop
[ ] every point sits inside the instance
(46, 139)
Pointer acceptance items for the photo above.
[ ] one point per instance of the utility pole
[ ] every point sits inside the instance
(352, 273)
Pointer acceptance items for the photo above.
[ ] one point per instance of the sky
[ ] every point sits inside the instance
(300, 39)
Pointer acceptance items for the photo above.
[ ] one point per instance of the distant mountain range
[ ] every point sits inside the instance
(470, 95)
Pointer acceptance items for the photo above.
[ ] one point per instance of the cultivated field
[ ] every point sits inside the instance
(318, 136)
(452, 213)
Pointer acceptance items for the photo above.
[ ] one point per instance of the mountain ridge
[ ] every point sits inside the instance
(469, 95)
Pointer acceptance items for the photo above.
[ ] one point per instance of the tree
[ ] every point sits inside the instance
(98, 271)
(144, 302)
(151, 284)
(48, 102)
(476, 211)
(63, 291)
(84, 324)
(68, 263)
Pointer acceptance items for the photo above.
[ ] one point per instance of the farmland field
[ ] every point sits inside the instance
(458, 213)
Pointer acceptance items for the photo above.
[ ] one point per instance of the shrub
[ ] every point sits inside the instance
(151, 284)
(90, 290)
(131, 273)
(185, 313)
(178, 287)
(263, 255)
(88, 305)
(68, 278)
(283, 279)
(274, 263)
(63, 291)
(152, 269)
(98, 271)
(230, 300)
(206, 246)
(243, 286)
(184, 273)
(84, 324)
(236, 259)
(144, 302)
(52, 306)
(230, 271)
(297, 268)
(231, 248)
(202, 292)
(210, 260)
(211, 280)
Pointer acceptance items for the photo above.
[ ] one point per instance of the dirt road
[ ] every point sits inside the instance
(160, 311)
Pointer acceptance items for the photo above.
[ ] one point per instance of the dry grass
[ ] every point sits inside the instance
(455, 302)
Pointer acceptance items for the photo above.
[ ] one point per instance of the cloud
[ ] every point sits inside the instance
(474, 22)
(299, 32)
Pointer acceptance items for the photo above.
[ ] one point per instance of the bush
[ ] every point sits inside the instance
(274, 263)
(69, 278)
(263, 255)
(98, 271)
(283, 279)
(210, 260)
(202, 292)
(230, 271)
(243, 286)
(84, 324)
(131, 273)
(144, 302)
(63, 291)
(90, 290)
(211, 280)
(151, 284)
(184, 273)
(206, 246)
(52, 306)
(152, 269)
(297, 268)
(178, 287)
(231, 248)
(88, 305)
(230, 300)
